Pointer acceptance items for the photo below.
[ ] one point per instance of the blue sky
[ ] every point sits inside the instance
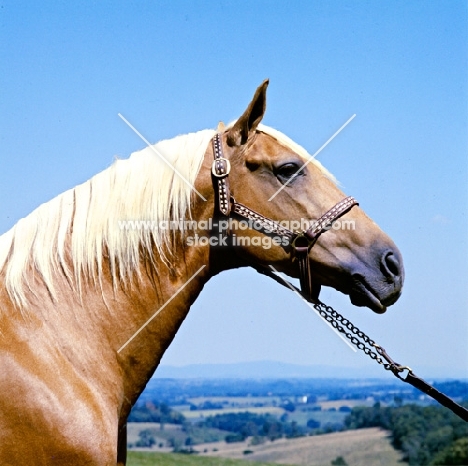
(172, 67)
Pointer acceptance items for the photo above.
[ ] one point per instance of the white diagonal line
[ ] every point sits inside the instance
(310, 305)
(313, 156)
(159, 154)
(161, 308)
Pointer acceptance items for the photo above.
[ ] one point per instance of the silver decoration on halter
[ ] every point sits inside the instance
(220, 170)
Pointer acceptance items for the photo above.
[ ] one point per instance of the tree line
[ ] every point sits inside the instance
(150, 411)
(243, 425)
(429, 435)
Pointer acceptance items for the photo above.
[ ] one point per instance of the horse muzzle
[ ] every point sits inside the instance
(378, 288)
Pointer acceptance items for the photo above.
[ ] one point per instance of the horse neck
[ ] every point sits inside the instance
(160, 301)
(148, 313)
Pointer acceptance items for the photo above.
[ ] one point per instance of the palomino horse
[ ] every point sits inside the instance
(91, 295)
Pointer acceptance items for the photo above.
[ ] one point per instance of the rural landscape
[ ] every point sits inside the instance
(314, 422)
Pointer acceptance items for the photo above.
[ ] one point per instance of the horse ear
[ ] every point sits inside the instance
(250, 119)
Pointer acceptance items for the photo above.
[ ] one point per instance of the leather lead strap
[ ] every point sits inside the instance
(443, 399)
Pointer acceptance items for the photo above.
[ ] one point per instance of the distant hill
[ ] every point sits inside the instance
(280, 370)
(263, 370)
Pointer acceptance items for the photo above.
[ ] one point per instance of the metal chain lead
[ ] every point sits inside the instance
(357, 337)
(376, 352)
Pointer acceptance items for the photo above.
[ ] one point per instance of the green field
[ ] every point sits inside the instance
(174, 459)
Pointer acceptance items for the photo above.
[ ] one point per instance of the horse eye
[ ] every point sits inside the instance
(287, 171)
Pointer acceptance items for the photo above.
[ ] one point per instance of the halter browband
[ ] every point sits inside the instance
(300, 241)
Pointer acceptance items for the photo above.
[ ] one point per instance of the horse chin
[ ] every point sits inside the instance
(364, 295)
(367, 299)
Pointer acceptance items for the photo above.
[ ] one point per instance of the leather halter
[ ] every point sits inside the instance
(300, 241)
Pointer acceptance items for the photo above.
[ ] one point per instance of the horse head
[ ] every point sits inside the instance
(276, 178)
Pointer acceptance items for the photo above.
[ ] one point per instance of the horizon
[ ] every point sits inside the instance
(282, 370)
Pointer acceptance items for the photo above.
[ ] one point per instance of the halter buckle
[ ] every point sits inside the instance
(221, 167)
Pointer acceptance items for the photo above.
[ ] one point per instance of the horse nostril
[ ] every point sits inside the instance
(391, 265)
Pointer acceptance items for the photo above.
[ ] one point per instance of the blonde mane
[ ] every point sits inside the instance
(139, 189)
(84, 223)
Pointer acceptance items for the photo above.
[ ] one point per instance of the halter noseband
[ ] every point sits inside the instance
(301, 242)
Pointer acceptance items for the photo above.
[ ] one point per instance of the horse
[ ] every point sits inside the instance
(95, 283)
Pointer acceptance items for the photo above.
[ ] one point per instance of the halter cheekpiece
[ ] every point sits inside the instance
(300, 241)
